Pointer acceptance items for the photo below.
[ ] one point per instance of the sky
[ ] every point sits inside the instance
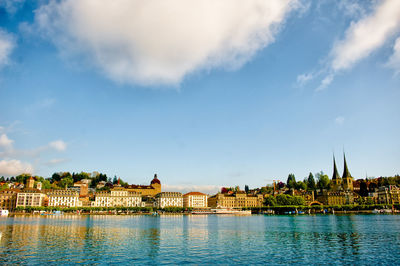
(203, 93)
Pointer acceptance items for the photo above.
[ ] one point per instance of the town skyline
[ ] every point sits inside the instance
(260, 92)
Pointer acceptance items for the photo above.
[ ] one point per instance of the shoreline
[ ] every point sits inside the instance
(363, 212)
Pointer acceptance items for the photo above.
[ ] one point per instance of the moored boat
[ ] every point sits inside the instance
(3, 212)
(223, 211)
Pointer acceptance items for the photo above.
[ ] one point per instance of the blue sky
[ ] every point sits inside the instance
(206, 94)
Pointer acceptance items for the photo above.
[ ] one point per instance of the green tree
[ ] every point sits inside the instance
(311, 182)
(283, 199)
(246, 188)
(300, 185)
(296, 200)
(323, 181)
(46, 184)
(270, 201)
(291, 181)
(363, 188)
(56, 177)
(66, 182)
(22, 178)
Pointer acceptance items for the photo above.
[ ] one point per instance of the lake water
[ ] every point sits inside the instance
(257, 239)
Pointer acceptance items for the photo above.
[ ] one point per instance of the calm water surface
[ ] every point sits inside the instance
(257, 239)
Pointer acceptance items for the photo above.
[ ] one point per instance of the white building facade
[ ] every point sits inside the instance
(30, 199)
(168, 199)
(195, 200)
(118, 198)
(64, 198)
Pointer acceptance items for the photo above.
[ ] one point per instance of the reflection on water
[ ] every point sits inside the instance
(200, 239)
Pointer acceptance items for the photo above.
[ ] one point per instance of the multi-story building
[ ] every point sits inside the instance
(389, 195)
(168, 199)
(31, 198)
(336, 197)
(118, 197)
(8, 198)
(235, 200)
(144, 190)
(195, 200)
(64, 198)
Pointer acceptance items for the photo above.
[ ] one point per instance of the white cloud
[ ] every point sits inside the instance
(339, 120)
(351, 8)
(11, 6)
(6, 46)
(326, 82)
(58, 145)
(366, 35)
(14, 167)
(206, 189)
(160, 42)
(394, 60)
(56, 161)
(304, 78)
(5, 142)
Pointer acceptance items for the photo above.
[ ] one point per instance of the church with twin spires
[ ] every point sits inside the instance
(344, 183)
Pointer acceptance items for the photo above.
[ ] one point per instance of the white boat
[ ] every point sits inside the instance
(3, 212)
(222, 211)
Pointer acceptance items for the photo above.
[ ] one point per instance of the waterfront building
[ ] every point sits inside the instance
(308, 196)
(336, 197)
(389, 195)
(64, 198)
(144, 190)
(235, 200)
(168, 199)
(118, 197)
(195, 200)
(8, 198)
(148, 202)
(31, 198)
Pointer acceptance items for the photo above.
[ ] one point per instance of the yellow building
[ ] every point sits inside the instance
(64, 198)
(118, 197)
(8, 198)
(144, 190)
(236, 200)
(336, 197)
(31, 198)
(195, 200)
(389, 195)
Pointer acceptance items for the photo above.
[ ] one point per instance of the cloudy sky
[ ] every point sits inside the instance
(204, 93)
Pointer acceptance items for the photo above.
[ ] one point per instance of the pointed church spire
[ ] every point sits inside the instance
(335, 171)
(346, 173)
